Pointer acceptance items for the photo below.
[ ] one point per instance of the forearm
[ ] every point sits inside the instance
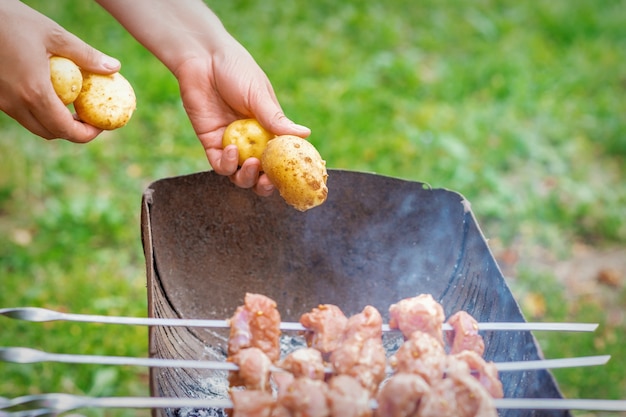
(173, 30)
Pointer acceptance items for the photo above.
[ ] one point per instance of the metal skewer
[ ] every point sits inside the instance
(560, 404)
(67, 402)
(28, 355)
(37, 314)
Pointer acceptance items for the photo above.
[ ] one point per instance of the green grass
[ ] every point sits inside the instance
(518, 106)
(594, 382)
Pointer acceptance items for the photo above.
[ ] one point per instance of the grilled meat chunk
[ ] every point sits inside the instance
(256, 324)
(421, 313)
(348, 398)
(251, 403)
(422, 355)
(361, 353)
(325, 326)
(400, 395)
(465, 334)
(304, 397)
(254, 370)
(485, 372)
(457, 395)
(305, 362)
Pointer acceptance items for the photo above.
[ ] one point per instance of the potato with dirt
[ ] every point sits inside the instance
(297, 170)
(66, 78)
(105, 101)
(249, 136)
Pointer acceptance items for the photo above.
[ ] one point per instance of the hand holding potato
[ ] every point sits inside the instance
(28, 40)
(291, 163)
(219, 79)
(249, 137)
(105, 101)
(232, 87)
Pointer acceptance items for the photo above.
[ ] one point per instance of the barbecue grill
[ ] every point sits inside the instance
(375, 241)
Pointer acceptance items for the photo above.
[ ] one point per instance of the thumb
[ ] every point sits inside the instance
(279, 124)
(270, 115)
(85, 56)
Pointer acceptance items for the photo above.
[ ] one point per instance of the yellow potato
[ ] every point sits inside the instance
(105, 101)
(66, 78)
(297, 170)
(249, 136)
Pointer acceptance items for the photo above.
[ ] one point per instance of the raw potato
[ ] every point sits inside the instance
(297, 170)
(66, 78)
(249, 136)
(105, 101)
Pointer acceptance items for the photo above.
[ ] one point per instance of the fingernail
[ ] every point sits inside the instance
(231, 153)
(251, 170)
(301, 128)
(110, 63)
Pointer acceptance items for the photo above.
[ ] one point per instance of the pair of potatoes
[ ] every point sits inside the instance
(104, 101)
(293, 164)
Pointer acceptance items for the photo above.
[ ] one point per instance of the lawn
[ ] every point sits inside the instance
(518, 106)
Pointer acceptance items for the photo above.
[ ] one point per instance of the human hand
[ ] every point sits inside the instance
(219, 80)
(230, 86)
(27, 40)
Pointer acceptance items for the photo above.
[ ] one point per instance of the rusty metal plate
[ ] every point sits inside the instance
(375, 241)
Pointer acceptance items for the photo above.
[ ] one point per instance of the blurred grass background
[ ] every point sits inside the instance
(519, 106)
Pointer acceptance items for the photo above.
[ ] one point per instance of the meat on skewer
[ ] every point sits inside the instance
(251, 403)
(304, 397)
(256, 324)
(348, 398)
(457, 395)
(421, 313)
(305, 362)
(400, 395)
(361, 353)
(485, 372)
(465, 334)
(325, 325)
(254, 370)
(422, 355)
(427, 381)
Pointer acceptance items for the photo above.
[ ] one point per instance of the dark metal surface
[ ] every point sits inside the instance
(375, 241)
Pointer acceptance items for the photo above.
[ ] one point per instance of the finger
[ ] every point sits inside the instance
(83, 54)
(59, 122)
(42, 113)
(26, 119)
(269, 113)
(80, 132)
(264, 186)
(224, 162)
(248, 175)
(280, 124)
(76, 131)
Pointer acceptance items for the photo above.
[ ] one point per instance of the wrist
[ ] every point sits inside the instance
(174, 31)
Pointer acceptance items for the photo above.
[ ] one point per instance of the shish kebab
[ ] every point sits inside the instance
(66, 402)
(28, 355)
(37, 314)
